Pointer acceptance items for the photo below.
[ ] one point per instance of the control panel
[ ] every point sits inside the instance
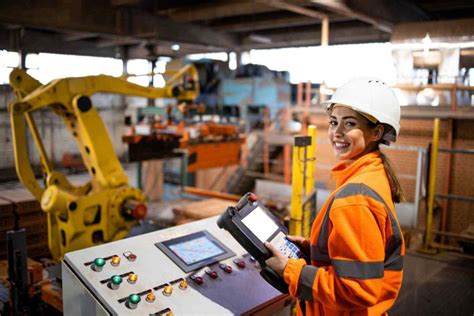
(195, 269)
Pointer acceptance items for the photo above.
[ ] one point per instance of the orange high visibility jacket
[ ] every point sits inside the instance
(356, 247)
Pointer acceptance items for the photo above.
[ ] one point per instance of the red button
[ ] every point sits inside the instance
(198, 280)
(139, 211)
(241, 264)
(213, 274)
(132, 257)
(228, 269)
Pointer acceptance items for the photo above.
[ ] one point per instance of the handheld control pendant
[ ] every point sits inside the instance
(251, 224)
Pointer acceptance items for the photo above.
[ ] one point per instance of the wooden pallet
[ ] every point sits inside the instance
(199, 210)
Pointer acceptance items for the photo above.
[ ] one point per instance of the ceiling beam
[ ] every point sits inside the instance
(440, 31)
(217, 11)
(252, 25)
(48, 42)
(294, 8)
(78, 36)
(311, 36)
(110, 21)
(340, 7)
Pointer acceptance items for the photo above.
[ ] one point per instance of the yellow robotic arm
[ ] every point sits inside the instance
(107, 207)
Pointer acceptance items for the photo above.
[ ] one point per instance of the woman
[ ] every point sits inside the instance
(356, 246)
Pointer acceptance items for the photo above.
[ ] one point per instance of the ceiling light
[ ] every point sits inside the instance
(175, 47)
(260, 39)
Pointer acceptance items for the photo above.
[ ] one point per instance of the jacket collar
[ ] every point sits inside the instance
(369, 162)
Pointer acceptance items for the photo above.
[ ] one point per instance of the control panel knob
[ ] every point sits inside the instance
(132, 278)
(167, 290)
(150, 297)
(133, 300)
(115, 282)
(98, 264)
(115, 261)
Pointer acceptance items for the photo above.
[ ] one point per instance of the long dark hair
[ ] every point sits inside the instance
(395, 187)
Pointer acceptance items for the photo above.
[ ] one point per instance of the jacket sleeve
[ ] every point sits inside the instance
(356, 250)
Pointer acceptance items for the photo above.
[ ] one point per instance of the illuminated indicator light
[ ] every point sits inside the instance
(98, 264)
(133, 300)
(183, 285)
(132, 278)
(168, 290)
(115, 261)
(115, 282)
(170, 313)
(150, 297)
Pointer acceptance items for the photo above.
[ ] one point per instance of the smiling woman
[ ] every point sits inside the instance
(356, 246)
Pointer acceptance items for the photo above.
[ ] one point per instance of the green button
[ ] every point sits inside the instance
(99, 262)
(134, 298)
(116, 279)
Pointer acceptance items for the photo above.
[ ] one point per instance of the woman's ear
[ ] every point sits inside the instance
(378, 132)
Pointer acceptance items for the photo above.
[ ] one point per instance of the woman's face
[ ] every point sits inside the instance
(350, 135)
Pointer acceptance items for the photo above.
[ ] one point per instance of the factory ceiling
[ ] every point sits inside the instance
(149, 28)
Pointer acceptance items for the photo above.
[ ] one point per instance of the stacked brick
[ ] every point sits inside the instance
(20, 204)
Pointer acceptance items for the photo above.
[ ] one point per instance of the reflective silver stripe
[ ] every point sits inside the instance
(396, 264)
(305, 283)
(317, 255)
(393, 259)
(358, 270)
(320, 251)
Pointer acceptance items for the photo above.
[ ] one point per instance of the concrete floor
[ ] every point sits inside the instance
(441, 284)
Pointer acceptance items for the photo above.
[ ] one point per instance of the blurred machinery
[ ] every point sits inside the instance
(206, 144)
(105, 208)
(193, 127)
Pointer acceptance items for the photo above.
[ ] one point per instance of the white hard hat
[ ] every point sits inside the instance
(373, 97)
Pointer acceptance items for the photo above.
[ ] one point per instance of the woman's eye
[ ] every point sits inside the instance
(332, 123)
(350, 124)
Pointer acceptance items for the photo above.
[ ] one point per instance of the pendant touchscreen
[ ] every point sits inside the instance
(264, 228)
(251, 224)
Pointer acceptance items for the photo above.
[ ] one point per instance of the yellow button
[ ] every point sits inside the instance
(115, 261)
(169, 313)
(132, 278)
(150, 297)
(183, 285)
(168, 290)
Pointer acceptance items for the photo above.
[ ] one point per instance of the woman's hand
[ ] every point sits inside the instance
(301, 242)
(277, 262)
